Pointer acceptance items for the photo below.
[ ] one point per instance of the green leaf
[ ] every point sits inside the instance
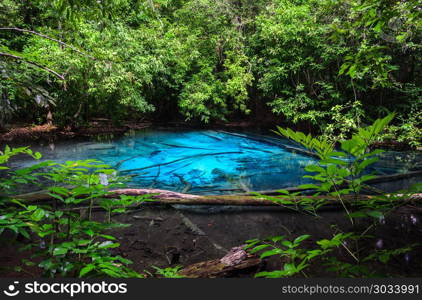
(108, 244)
(88, 268)
(301, 238)
(308, 186)
(276, 239)
(83, 242)
(384, 258)
(59, 190)
(109, 237)
(283, 191)
(375, 214)
(271, 253)
(333, 161)
(38, 214)
(367, 177)
(59, 251)
(314, 168)
(287, 243)
(258, 248)
(362, 165)
(57, 196)
(349, 145)
(358, 214)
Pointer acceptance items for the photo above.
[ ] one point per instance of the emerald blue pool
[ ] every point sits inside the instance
(205, 161)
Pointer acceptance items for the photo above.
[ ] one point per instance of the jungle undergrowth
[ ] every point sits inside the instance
(62, 235)
(340, 174)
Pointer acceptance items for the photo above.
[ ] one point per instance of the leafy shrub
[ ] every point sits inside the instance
(338, 174)
(63, 235)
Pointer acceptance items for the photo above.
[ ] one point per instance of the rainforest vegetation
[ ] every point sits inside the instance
(334, 77)
(318, 65)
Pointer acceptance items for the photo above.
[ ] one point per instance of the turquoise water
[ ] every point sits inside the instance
(200, 161)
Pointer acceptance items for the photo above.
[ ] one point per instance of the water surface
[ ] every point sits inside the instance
(205, 161)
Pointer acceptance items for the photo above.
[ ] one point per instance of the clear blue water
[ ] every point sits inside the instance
(200, 161)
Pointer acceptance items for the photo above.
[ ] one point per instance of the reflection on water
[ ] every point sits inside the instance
(204, 161)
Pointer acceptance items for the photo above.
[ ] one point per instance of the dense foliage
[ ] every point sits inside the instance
(61, 237)
(325, 65)
(343, 174)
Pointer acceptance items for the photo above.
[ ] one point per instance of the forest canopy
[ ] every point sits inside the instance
(320, 65)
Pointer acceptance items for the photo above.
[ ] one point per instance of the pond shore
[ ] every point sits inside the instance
(27, 132)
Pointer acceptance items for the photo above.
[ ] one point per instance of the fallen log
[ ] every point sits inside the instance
(169, 197)
(236, 260)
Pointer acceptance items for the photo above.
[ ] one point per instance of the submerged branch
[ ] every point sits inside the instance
(264, 140)
(186, 147)
(180, 159)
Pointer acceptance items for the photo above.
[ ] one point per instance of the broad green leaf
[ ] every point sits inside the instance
(88, 268)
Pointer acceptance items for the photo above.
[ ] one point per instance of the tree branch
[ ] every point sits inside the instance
(34, 64)
(48, 38)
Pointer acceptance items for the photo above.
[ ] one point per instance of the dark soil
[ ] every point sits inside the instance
(165, 236)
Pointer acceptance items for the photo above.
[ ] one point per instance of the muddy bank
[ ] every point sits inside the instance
(51, 132)
(99, 127)
(22, 132)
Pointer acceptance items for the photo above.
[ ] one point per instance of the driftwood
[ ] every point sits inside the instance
(236, 260)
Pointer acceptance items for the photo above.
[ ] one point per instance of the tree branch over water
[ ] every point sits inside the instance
(48, 38)
(34, 64)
